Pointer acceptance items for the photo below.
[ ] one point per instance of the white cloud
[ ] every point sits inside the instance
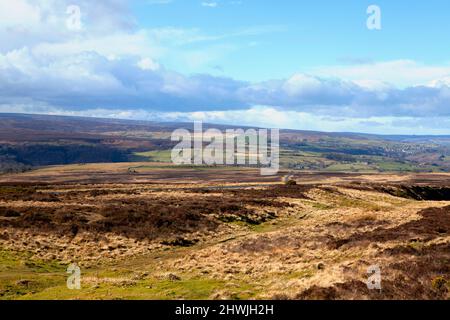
(440, 83)
(18, 13)
(300, 84)
(109, 45)
(402, 73)
(114, 67)
(148, 64)
(210, 4)
(266, 117)
(89, 79)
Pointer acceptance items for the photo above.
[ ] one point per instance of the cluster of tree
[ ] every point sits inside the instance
(9, 165)
(48, 154)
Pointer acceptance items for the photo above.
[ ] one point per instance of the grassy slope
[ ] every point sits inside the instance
(24, 278)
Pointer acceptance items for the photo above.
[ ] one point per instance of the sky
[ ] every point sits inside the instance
(309, 65)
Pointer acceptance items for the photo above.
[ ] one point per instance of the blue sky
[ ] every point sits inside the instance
(299, 35)
(310, 65)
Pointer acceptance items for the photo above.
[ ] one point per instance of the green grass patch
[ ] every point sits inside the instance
(154, 289)
(322, 206)
(21, 276)
(303, 274)
(156, 156)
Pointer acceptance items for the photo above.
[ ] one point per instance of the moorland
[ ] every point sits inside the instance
(103, 194)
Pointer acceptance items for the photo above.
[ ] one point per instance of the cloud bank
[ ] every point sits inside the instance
(112, 65)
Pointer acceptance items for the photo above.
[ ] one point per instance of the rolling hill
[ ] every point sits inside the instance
(29, 141)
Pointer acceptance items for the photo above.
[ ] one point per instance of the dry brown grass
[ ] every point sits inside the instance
(309, 241)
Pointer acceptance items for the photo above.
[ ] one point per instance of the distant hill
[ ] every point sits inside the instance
(27, 141)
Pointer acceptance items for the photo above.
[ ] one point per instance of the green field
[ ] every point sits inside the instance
(299, 159)
(156, 156)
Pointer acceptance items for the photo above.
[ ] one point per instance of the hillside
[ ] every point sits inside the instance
(29, 141)
(140, 227)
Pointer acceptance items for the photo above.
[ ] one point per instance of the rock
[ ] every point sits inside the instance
(173, 277)
(23, 282)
